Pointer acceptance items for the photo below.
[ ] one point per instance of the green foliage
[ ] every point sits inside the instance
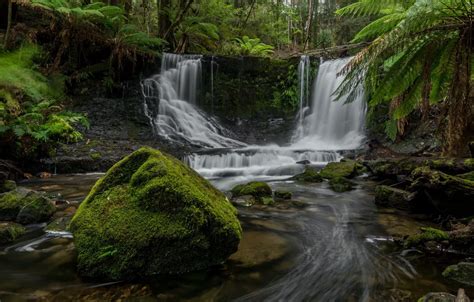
(413, 51)
(254, 47)
(30, 113)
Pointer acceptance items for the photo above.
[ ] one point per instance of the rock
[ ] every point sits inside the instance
(10, 231)
(462, 297)
(391, 168)
(303, 162)
(347, 169)
(394, 198)
(285, 195)
(37, 208)
(259, 190)
(59, 224)
(395, 295)
(151, 214)
(428, 234)
(438, 297)
(244, 201)
(7, 186)
(11, 204)
(341, 184)
(463, 272)
(448, 194)
(462, 238)
(310, 174)
(44, 175)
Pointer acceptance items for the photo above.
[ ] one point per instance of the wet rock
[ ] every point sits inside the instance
(395, 295)
(427, 234)
(284, 195)
(462, 237)
(244, 201)
(36, 208)
(7, 186)
(391, 168)
(10, 231)
(152, 214)
(448, 194)
(347, 169)
(310, 174)
(303, 162)
(341, 184)
(261, 191)
(438, 297)
(59, 224)
(394, 198)
(463, 272)
(462, 297)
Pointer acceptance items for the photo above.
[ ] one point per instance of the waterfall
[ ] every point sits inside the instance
(304, 68)
(170, 103)
(331, 124)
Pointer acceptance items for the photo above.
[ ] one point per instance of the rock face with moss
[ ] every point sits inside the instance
(9, 231)
(25, 207)
(448, 194)
(261, 191)
(394, 198)
(427, 234)
(462, 272)
(341, 184)
(152, 214)
(309, 175)
(347, 169)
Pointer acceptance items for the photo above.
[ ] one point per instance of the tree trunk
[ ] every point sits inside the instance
(164, 22)
(9, 24)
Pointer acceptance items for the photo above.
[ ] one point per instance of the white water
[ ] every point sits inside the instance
(323, 127)
(175, 93)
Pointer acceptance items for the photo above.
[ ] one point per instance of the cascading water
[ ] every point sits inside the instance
(304, 68)
(323, 129)
(174, 92)
(331, 124)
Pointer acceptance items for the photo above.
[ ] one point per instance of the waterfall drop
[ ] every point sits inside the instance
(174, 92)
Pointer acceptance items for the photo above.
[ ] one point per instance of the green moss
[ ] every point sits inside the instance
(10, 205)
(442, 164)
(309, 175)
(469, 163)
(283, 195)
(346, 169)
(95, 155)
(341, 184)
(468, 176)
(462, 272)
(152, 214)
(427, 234)
(256, 189)
(36, 208)
(7, 186)
(10, 231)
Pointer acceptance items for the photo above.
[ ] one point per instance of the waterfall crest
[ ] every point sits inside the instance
(170, 100)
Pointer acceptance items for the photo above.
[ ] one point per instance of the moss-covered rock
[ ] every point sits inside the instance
(310, 174)
(448, 194)
(394, 198)
(10, 231)
(427, 234)
(341, 184)
(284, 195)
(7, 186)
(152, 214)
(462, 272)
(257, 189)
(347, 169)
(25, 206)
(37, 208)
(438, 297)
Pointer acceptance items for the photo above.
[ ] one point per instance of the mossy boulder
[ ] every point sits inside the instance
(347, 169)
(462, 272)
(151, 214)
(25, 206)
(448, 194)
(283, 195)
(427, 234)
(341, 184)
(10, 231)
(258, 189)
(7, 186)
(394, 198)
(310, 174)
